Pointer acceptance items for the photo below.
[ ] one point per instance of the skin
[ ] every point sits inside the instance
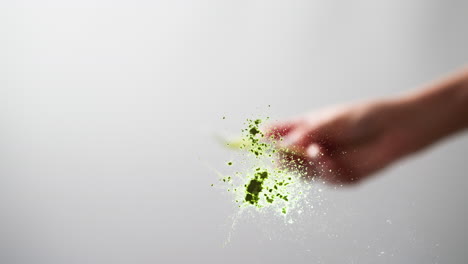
(348, 143)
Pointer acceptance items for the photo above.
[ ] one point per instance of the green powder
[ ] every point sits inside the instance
(255, 187)
(260, 184)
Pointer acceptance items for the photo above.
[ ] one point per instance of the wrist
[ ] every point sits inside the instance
(434, 113)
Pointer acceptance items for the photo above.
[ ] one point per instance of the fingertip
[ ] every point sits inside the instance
(313, 150)
(291, 139)
(278, 130)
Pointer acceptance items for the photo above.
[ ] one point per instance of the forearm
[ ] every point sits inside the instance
(437, 111)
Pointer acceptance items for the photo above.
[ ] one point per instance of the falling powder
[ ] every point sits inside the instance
(261, 184)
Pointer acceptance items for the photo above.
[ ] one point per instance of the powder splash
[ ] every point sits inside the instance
(261, 184)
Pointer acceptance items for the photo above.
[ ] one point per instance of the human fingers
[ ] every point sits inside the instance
(352, 165)
(279, 129)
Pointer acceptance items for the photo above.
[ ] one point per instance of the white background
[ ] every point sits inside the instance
(108, 110)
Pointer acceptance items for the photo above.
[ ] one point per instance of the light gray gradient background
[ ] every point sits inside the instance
(108, 110)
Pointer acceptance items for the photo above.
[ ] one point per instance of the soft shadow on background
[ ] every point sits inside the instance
(108, 110)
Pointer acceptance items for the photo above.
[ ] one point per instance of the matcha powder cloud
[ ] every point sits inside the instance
(260, 183)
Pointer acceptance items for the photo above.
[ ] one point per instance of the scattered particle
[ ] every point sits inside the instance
(261, 184)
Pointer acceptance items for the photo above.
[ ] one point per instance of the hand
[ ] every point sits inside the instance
(343, 145)
(346, 144)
